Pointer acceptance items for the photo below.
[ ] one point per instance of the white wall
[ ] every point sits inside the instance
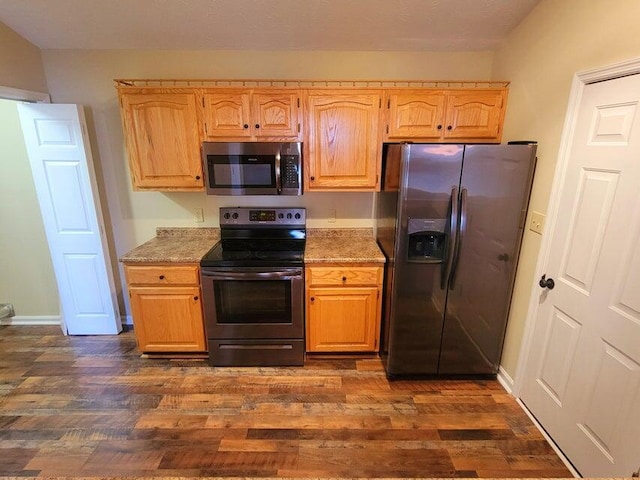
(86, 77)
(557, 39)
(20, 62)
(26, 273)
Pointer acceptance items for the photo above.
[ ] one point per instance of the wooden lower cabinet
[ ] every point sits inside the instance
(343, 308)
(166, 308)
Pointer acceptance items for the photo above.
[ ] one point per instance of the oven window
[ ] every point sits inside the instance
(253, 301)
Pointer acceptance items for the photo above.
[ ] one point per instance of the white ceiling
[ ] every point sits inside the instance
(356, 25)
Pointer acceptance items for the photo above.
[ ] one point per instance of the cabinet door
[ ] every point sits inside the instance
(342, 319)
(343, 140)
(168, 319)
(227, 115)
(415, 115)
(475, 115)
(276, 115)
(163, 140)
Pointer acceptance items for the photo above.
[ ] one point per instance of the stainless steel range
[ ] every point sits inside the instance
(253, 288)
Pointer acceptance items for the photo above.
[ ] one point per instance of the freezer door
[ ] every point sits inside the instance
(494, 195)
(430, 175)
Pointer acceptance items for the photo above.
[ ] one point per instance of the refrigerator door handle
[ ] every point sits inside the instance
(453, 238)
(462, 230)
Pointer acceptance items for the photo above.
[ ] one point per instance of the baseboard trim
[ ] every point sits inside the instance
(128, 320)
(549, 440)
(505, 380)
(31, 320)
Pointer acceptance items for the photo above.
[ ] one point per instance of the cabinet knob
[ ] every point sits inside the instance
(312, 298)
(161, 277)
(449, 127)
(246, 125)
(344, 279)
(257, 125)
(195, 298)
(312, 178)
(439, 127)
(197, 177)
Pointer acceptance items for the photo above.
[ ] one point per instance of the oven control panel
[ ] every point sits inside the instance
(250, 216)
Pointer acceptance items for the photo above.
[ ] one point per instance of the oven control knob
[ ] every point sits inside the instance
(234, 215)
(289, 216)
(297, 215)
(227, 215)
(281, 215)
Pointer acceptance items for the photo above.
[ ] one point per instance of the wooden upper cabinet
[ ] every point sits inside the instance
(163, 139)
(415, 114)
(227, 114)
(258, 115)
(473, 115)
(342, 139)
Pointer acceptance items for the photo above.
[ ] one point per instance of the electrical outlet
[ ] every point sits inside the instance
(198, 215)
(332, 215)
(536, 224)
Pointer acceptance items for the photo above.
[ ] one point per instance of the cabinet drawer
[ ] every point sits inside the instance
(346, 276)
(162, 275)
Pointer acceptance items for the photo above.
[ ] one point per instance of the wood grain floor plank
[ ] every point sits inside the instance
(93, 407)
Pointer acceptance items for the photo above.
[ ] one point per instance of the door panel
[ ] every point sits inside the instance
(595, 261)
(494, 179)
(429, 173)
(55, 136)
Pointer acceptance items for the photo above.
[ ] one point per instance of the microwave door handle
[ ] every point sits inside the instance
(278, 178)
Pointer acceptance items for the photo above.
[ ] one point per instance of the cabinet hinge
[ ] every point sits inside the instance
(378, 294)
(387, 129)
(205, 128)
(377, 181)
(298, 128)
(298, 103)
(380, 103)
(389, 103)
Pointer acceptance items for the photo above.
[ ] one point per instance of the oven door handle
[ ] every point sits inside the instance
(252, 275)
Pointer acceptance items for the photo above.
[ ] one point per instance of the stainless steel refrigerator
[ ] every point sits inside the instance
(450, 219)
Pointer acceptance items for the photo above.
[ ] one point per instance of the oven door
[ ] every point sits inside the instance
(253, 303)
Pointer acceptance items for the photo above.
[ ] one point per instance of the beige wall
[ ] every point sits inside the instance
(86, 77)
(26, 273)
(20, 62)
(557, 39)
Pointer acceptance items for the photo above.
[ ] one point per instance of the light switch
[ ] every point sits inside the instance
(332, 215)
(198, 215)
(536, 224)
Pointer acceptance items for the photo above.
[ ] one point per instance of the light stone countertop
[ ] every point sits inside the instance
(345, 245)
(174, 245)
(189, 245)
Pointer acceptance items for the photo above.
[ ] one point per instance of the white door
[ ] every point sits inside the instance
(582, 377)
(60, 157)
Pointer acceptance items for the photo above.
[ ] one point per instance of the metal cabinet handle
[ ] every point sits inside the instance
(344, 279)
(257, 125)
(161, 277)
(246, 125)
(195, 298)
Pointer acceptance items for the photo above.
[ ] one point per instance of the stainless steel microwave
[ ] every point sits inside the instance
(253, 168)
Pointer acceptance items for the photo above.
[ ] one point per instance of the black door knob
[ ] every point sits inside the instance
(547, 282)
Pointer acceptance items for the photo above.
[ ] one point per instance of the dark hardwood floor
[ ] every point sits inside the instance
(90, 406)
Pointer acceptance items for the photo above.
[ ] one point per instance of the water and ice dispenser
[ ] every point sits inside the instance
(427, 240)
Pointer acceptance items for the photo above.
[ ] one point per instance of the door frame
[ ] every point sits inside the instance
(580, 80)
